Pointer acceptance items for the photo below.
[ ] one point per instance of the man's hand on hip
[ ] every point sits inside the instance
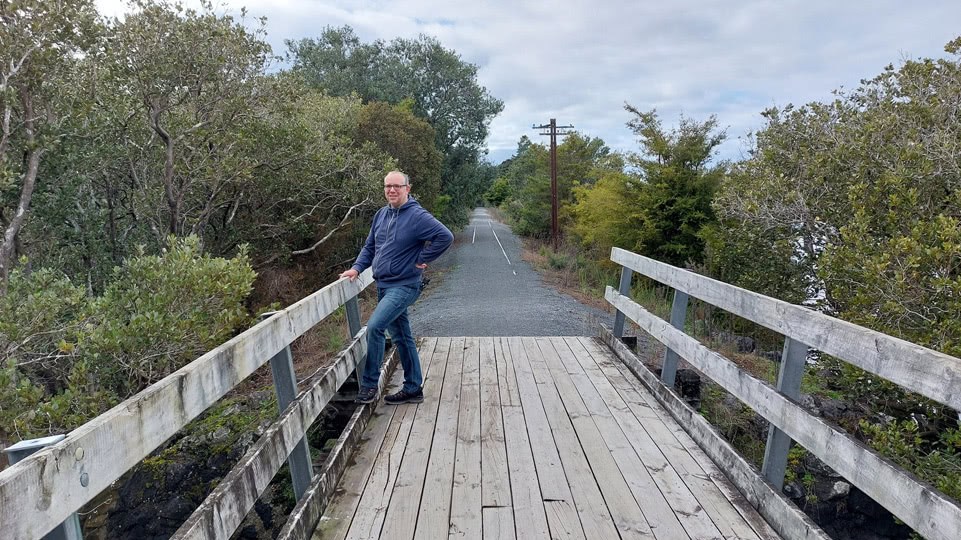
(420, 266)
(352, 274)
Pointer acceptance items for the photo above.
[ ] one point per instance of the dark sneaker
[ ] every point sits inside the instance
(404, 397)
(366, 395)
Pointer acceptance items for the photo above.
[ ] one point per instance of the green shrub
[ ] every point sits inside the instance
(935, 461)
(162, 311)
(499, 192)
(39, 317)
(68, 358)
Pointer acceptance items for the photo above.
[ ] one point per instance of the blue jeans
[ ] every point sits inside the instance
(391, 314)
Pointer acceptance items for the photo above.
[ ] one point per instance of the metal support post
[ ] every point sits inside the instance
(354, 326)
(678, 316)
(793, 359)
(624, 289)
(285, 384)
(353, 316)
(70, 528)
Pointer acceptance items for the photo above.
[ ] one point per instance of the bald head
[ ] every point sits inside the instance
(396, 188)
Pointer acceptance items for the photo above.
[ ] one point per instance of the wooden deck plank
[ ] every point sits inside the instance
(594, 514)
(372, 510)
(595, 457)
(723, 506)
(640, 469)
(404, 500)
(498, 523)
(584, 453)
(433, 518)
(674, 498)
(465, 511)
(562, 519)
(381, 432)
(495, 481)
(550, 472)
(506, 379)
(528, 505)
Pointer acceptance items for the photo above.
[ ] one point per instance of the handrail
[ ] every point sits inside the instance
(930, 373)
(224, 509)
(40, 492)
(925, 509)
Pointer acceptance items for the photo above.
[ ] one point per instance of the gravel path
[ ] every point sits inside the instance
(488, 291)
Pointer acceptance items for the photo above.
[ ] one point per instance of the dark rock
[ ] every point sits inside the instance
(862, 504)
(820, 470)
(833, 408)
(249, 533)
(265, 513)
(175, 475)
(810, 403)
(688, 384)
(744, 344)
(177, 510)
(773, 356)
(793, 491)
(631, 342)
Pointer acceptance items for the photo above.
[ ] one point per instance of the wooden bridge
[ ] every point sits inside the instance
(560, 437)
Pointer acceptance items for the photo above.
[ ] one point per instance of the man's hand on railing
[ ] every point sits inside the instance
(352, 274)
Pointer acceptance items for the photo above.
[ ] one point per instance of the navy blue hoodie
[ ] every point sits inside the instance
(396, 243)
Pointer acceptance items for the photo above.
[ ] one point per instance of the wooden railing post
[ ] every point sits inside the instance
(789, 377)
(69, 529)
(678, 316)
(625, 289)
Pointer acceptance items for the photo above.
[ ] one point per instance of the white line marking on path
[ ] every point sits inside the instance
(499, 242)
(475, 235)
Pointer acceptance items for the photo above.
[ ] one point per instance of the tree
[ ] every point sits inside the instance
(499, 192)
(442, 87)
(38, 59)
(607, 213)
(679, 183)
(580, 161)
(409, 140)
(196, 79)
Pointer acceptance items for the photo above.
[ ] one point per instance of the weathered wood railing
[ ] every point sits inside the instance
(927, 372)
(40, 492)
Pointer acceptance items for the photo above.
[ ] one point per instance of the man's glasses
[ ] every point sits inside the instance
(395, 187)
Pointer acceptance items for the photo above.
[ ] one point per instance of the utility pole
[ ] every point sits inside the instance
(552, 131)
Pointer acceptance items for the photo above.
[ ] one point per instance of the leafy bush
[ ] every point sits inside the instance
(938, 463)
(499, 192)
(162, 311)
(69, 358)
(39, 318)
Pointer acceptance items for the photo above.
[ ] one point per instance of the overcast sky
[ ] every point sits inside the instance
(580, 61)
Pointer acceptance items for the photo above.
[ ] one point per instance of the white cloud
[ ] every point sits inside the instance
(579, 61)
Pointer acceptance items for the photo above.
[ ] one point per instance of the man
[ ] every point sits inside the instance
(397, 249)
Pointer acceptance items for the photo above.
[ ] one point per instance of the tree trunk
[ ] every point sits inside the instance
(173, 199)
(26, 193)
